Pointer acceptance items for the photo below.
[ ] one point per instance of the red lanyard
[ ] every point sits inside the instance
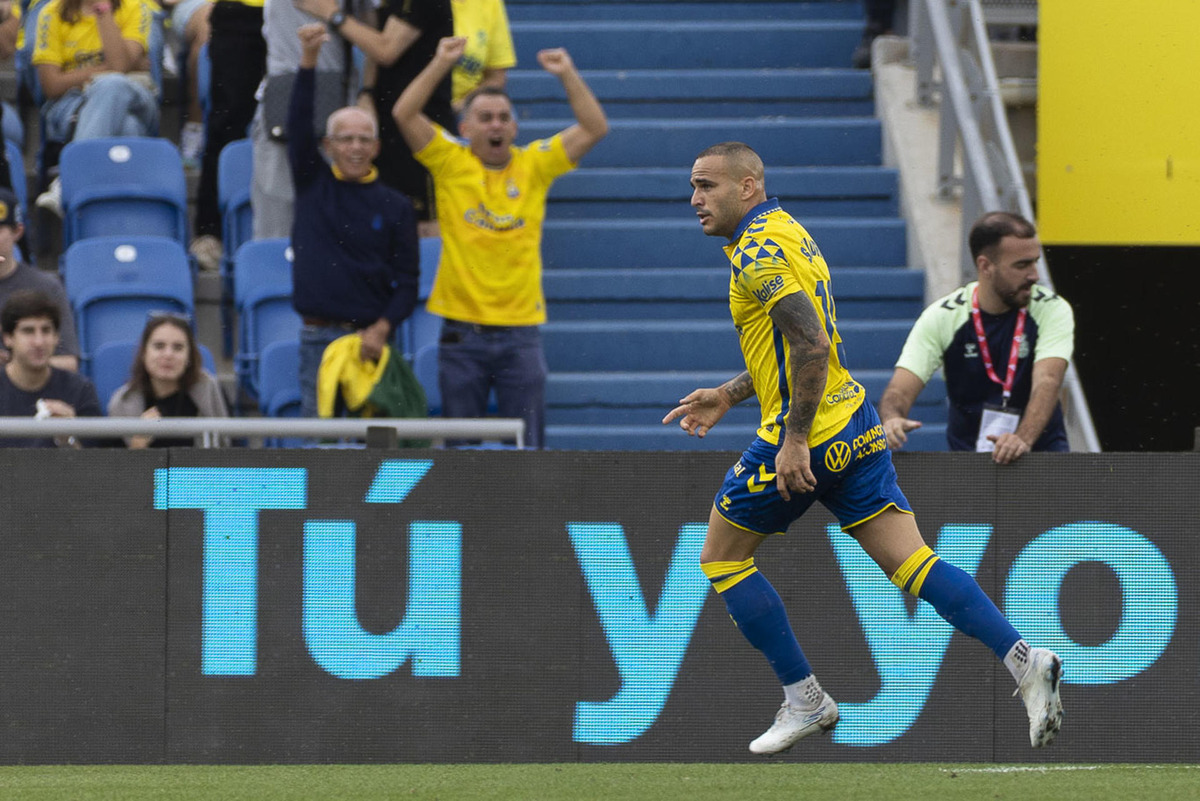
(1010, 374)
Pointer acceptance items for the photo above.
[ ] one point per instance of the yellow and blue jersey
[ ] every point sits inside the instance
(771, 256)
(490, 271)
(72, 45)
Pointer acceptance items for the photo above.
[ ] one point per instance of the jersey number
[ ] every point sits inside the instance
(830, 312)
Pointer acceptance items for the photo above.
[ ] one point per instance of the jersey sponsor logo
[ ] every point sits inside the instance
(768, 289)
(837, 456)
(846, 392)
(481, 217)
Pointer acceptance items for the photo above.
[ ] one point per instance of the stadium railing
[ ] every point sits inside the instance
(212, 430)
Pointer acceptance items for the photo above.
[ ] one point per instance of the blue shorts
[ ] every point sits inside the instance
(855, 480)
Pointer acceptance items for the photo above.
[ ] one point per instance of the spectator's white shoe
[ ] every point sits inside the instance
(206, 250)
(792, 724)
(191, 143)
(51, 199)
(1039, 690)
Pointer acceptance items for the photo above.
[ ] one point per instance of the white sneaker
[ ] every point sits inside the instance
(191, 143)
(51, 199)
(792, 724)
(1039, 690)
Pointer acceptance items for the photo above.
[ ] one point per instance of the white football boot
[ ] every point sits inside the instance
(1039, 690)
(793, 724)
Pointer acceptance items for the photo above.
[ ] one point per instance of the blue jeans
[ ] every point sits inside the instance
(313, 341)
(112, 105)
(473, 360)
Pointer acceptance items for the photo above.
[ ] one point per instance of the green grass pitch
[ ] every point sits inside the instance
(615, 782)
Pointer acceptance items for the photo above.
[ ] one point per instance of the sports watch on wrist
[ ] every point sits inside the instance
(337, 20)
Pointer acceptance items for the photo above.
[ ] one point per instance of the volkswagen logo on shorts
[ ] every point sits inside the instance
(837, 456)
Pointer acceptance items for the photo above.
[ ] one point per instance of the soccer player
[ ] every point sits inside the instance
(820, 439)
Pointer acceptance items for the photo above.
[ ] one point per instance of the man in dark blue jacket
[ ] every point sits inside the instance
(354, 240)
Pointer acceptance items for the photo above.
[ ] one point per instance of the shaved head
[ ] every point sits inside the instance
(727, 182)
(740, 160)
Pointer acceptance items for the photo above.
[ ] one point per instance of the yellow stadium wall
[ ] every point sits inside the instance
(1119, 122)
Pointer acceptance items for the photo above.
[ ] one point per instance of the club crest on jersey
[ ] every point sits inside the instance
(511, 189)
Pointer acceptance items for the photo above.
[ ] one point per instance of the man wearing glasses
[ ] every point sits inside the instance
(354, 240)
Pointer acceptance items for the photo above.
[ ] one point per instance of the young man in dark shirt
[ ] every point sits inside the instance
(29, 385)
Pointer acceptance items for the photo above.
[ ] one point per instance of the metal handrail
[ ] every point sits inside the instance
(950, 37)
(212, 430)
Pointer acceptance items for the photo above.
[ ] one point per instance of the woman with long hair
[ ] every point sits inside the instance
(167, 380)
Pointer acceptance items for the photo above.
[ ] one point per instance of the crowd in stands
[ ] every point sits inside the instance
(93, 69)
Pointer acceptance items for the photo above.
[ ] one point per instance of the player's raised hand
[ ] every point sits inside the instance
(555, 60)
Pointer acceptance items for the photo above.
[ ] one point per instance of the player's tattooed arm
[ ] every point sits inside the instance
(738, 389)
(797, 318)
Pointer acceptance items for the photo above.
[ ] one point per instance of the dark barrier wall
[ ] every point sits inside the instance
(350, 606)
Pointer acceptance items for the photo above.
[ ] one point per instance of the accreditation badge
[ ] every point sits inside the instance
(996, 420)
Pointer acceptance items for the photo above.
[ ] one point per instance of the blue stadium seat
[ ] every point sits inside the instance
(422, 327)
(279, 379)
(425, 368)
(123, 185)
(113, 282)
(112, 365)
(262, 289)
(235, 167)
(23, 58)
(16, 175)
(234, 171)
(20, 185)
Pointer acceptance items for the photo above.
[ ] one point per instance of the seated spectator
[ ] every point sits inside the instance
(167, 380)
(29, 385)
(93, 51)
(15, 276)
